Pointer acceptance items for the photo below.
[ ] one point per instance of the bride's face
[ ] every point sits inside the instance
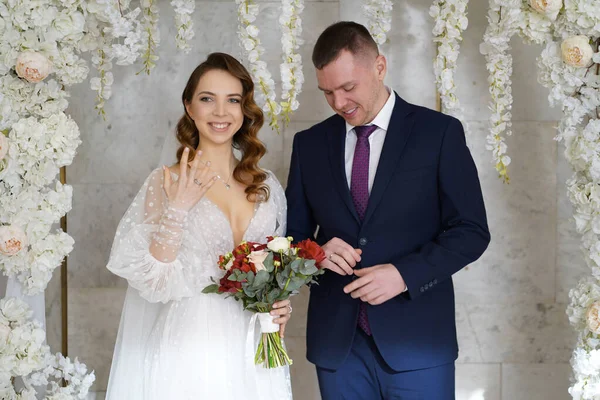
(216, 107)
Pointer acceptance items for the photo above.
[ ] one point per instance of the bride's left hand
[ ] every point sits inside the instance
(282, 309)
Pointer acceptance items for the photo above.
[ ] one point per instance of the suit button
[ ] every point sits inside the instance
(363, 241)
(435, 281)
(430, 284)
(422, 289)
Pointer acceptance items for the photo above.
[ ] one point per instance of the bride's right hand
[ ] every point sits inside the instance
(191, 186)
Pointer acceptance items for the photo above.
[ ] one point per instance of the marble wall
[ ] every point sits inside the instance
(513, 332)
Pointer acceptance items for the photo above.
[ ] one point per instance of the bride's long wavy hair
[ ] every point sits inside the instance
(245, 139)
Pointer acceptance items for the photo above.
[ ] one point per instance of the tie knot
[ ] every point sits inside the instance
(364, 131)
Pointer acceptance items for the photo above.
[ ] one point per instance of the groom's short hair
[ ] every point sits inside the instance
(344, 35)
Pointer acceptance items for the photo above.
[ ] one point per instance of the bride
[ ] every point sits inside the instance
(175, 342)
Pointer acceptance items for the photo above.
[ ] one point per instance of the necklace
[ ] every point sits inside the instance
(225, 182)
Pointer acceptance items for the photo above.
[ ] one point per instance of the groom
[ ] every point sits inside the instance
(392, 194)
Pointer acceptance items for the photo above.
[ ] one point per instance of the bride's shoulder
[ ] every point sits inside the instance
(272, 180)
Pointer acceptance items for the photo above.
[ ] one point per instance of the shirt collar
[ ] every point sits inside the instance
(382, 120)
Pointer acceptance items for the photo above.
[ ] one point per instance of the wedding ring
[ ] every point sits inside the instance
(197, 182)
(331, 256)
(289, 308)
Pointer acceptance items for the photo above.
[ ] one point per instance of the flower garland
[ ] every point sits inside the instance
(184, 24)
(40, 43)
(569, 66)
(503, 23)
(450, 21)
(292, 76)
(23, 354)
(379, 17)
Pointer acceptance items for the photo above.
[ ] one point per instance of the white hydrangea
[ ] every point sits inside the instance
(379, 16)
(450, 21)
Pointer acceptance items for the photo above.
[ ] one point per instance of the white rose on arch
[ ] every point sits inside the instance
(33, 67)
(577, 51)
(550, 8)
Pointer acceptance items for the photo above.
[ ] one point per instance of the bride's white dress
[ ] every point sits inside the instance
(175, 342)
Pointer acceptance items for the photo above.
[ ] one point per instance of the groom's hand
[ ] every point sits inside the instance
(376, 284)
(341, 257)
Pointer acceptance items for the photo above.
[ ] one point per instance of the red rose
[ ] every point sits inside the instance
(308, 249)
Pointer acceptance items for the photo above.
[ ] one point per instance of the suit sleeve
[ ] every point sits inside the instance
(300, 221)
(465, 234)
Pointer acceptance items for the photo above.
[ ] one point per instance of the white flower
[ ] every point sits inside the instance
(3, 146)
(4, 335)
(279, 244)
(292, 77)
(548, 7)
(379, 16)
(258, 258)
(12, 240)
(14, 310)
(229, 264)
(593, 319)
(450, 21)
(577, 51)
(32, 66)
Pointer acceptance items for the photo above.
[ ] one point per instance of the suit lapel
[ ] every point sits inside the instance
(337, 150)
(396, 137)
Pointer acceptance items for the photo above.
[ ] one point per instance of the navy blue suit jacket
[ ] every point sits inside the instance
(425, 216)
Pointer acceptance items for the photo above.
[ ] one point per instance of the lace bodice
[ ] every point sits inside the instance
(207, 234)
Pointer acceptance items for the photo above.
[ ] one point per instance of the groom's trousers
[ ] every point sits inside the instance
(366, 376)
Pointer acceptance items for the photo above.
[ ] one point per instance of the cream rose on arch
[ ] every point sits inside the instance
(12, 240)
(549, 7)
(33, 67)
(577, 51)
(593, 317)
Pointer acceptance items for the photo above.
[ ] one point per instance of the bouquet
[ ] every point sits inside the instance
(259, 275)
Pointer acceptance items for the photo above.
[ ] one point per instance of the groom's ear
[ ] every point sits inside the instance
(381, 66)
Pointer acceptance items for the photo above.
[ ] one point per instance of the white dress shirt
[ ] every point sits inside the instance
(382, 120)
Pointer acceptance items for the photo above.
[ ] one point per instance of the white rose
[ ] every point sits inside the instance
(3, 146)
(69, 25)
(12, 240)
(32, 66)
(279, 244)
(548, 7)
(592, 317)
(4, 334)
(229, 264)
(14, 309)
(577, 52)
(258, 258)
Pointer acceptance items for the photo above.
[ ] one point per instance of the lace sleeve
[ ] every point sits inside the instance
(149, 223)
(278, 198)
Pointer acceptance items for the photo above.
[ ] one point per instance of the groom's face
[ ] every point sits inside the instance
(353, 86)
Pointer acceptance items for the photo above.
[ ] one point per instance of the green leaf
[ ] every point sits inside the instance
(262, 277)
(211, 289)
(296, 264)
(268, 263)
(281, 280)
(249, 291)
(250, 277)
(295, 284)
(309, 268)
(274, 294)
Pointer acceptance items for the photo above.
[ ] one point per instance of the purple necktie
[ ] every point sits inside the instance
(359, 189)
